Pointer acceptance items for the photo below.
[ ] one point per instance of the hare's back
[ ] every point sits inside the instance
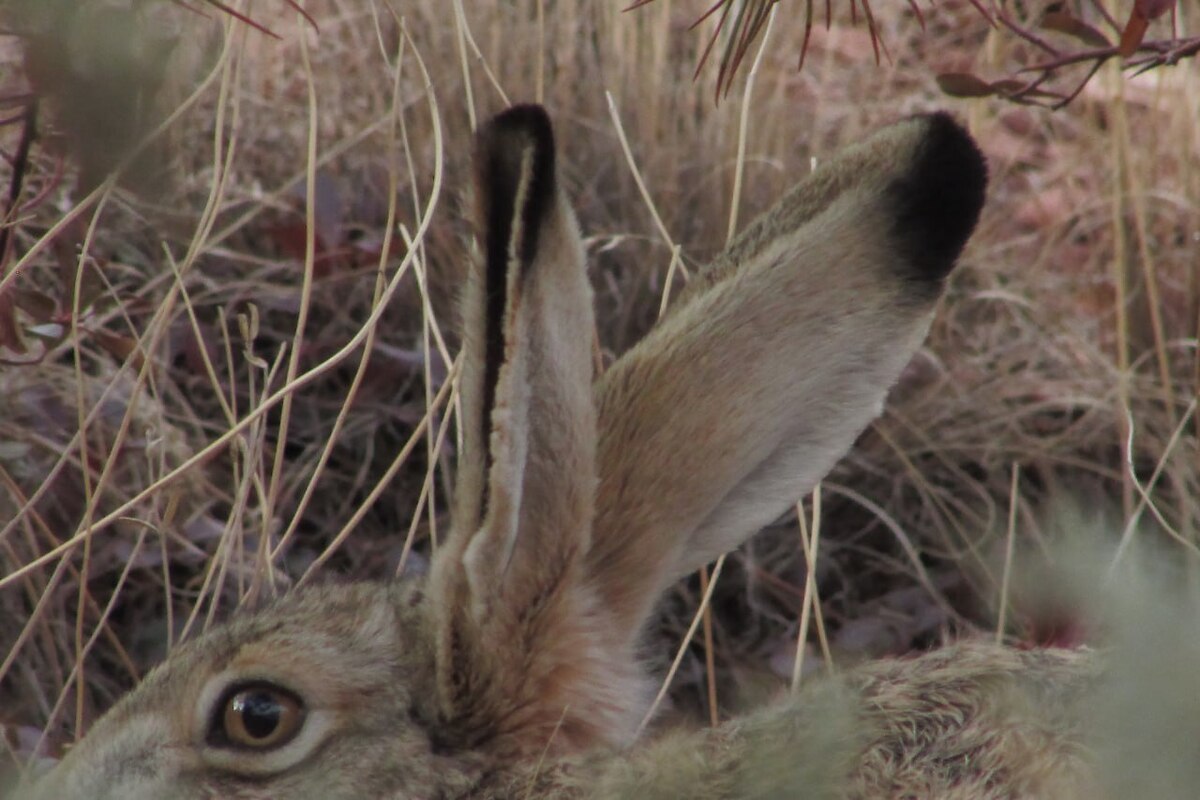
(977, 721)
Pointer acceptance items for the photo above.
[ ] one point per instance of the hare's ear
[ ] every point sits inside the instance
(776, 357)
(506, 588)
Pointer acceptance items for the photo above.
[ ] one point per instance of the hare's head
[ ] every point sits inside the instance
(578, 499)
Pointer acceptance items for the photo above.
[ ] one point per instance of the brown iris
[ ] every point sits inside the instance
(258, 716)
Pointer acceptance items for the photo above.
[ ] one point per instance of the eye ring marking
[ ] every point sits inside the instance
(256, 716)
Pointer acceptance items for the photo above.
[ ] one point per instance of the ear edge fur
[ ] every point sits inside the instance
(514, 156)
(516, 184)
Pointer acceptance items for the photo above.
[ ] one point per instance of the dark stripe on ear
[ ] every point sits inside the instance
(520, 131)
(514, 162)
(938, 199)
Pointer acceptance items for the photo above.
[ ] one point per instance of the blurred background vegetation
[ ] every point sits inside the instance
(233, 237)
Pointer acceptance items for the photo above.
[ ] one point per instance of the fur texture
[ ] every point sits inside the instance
(510, 671)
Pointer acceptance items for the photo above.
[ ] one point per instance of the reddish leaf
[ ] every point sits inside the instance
(118, 346)
(39, 306)
(1062, 22)
(10, 331)
(964, 84)
(291, 237)
(1135, 31)
(1153, 9)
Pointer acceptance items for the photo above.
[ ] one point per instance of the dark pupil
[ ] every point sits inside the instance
(260, 713)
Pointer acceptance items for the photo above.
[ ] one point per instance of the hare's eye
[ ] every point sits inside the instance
(258, 717)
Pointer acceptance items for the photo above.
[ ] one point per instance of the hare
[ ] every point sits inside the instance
(510, 670)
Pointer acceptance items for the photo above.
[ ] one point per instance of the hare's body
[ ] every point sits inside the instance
(973, 721)
(509, 671)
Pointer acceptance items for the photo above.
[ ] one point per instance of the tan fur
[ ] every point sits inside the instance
(509, 672)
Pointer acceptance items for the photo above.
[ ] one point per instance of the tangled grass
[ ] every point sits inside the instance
(227, 371)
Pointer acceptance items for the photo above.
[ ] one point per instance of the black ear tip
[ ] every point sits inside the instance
(939, 197)
(529, 118)
(515, 181)
(512, 132)
(516, 147)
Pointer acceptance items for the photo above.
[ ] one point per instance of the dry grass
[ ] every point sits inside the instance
(202, 428)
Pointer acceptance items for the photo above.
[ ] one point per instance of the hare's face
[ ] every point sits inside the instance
(316, 696)
(577, 501)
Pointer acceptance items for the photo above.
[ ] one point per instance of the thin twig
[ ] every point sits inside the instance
(20, 167)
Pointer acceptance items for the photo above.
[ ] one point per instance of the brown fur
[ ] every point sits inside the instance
(509, 672)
